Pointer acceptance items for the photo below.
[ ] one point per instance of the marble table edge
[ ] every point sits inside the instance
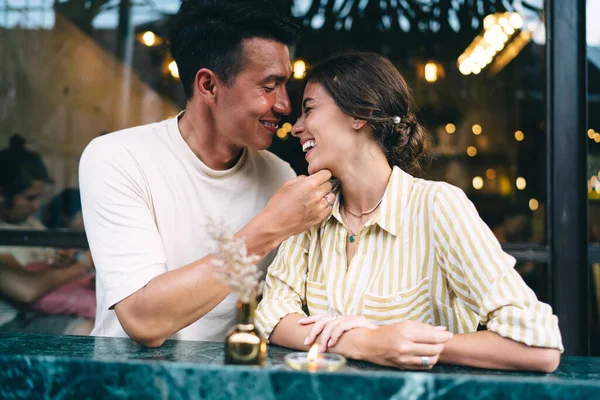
(280, 369)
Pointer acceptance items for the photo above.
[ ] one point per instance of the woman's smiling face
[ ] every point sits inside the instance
(324, 130)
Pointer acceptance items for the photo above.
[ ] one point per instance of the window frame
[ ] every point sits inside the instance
(566, 251)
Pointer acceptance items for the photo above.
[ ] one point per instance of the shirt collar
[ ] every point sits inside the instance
(391, 211)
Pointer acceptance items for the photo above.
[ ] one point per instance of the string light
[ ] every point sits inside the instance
(477, 182)
(149, 38)
(282, 134)
(299, 69)
(472, 151)
(516, 20)
(498, 29)
(174, 70)
(450, 128)
(521, 183)
(519, 136)
(533, 204)
(477, 129)
(490, 173)
(431, 72)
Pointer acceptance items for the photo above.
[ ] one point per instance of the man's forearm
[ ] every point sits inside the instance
(487, 349)
(178, 298)
(170, 302)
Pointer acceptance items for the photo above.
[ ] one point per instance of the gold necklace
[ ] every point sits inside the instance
(358, 215)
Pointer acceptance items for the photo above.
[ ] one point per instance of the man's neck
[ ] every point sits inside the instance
(212, 149)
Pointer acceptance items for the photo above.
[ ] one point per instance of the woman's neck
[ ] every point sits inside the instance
(364, 182)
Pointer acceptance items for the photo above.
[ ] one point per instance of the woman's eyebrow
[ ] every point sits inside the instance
(306, 100)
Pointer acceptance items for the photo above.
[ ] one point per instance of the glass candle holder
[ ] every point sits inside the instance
(325, 362)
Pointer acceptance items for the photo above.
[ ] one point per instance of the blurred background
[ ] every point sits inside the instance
(72, 70)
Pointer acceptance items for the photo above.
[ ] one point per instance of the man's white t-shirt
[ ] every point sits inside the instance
(146, 201)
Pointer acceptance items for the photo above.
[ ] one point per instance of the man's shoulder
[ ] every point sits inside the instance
(131, 136)
(130, 140)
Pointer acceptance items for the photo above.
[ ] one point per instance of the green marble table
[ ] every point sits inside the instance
(34, 366)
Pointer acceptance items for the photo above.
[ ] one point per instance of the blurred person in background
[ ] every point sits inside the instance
(63, 211)
(34, 281)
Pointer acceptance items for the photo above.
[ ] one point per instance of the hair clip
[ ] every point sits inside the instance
(396, 120)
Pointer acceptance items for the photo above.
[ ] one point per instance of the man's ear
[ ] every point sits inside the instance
(358, 123)
(206, 84)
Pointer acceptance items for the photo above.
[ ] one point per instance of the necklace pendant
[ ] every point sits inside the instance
(351, 238)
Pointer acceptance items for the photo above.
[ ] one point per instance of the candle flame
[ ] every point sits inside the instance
(313, 353)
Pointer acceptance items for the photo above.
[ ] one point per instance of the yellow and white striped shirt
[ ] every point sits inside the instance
(426, 255)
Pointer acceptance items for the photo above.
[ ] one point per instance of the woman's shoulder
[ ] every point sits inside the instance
(436, 191)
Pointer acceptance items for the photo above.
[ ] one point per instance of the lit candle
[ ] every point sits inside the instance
(314, 361)
(312, 356)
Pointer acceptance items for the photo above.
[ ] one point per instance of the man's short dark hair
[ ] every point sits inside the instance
(210, 34)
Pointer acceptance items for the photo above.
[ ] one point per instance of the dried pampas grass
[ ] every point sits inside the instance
(235, 267)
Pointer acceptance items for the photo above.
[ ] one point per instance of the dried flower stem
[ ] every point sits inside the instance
(235, 267)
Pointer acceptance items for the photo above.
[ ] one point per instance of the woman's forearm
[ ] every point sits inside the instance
(21, 286)
(487, 349)
(478, 349)
(289, 333)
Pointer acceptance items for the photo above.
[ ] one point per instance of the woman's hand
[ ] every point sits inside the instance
(407, 345)
(331, 328)
(84, 257)
(404, 345)
(63, 258)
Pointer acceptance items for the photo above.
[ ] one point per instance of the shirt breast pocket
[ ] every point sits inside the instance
(316, 297)
(412, 304)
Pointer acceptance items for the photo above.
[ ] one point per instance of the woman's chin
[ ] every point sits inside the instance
(313, 168)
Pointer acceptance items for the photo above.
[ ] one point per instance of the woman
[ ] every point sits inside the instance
(403, 271)
(37, 278)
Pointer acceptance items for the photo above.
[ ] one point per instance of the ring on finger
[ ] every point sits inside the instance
(425, 361)
(327, 200)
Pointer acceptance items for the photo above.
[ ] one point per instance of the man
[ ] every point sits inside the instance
(147, 192)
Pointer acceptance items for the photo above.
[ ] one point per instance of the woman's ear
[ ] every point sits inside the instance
(358, 123)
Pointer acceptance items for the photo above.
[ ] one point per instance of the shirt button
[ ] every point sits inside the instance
(398, 299)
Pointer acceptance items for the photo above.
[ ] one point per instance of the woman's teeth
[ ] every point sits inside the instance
(309, 144)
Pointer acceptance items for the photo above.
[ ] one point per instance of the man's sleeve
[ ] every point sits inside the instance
(119, 222)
